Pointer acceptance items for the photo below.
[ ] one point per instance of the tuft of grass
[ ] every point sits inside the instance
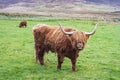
(100, 60)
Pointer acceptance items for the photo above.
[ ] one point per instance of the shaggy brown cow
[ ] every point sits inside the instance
(65, 42)
(23, 24)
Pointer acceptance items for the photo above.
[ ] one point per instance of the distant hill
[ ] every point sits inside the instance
(69, 8)
(107, 2)
(4, 3)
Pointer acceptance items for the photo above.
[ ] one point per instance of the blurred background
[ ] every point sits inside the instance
(88, 9)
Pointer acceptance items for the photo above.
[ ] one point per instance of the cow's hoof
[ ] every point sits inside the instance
(58, 68)
(74, 70)
(41, 63)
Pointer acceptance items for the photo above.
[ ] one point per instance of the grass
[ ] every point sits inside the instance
(100, 60)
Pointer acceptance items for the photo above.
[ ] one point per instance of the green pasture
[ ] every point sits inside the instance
(100, 60)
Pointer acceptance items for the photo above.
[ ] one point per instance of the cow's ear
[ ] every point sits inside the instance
(87, 37)
(69, 35)
(73, 44)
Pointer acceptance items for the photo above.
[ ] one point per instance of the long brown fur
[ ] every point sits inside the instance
(51, 38)
(23, 24)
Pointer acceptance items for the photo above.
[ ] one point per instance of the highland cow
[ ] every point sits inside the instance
(66, 42)
(23, 24)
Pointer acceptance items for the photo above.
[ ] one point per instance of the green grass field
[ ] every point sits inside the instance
(100, 60)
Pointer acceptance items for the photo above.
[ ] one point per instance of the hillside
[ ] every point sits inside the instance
(4, 3)
(64, 8)
(106, 2)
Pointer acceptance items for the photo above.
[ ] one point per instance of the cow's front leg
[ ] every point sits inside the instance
(60, 61)
(73, 61)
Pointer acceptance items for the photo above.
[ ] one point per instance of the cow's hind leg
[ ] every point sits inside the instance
(41, 57)
(36, 53)
(39, 54)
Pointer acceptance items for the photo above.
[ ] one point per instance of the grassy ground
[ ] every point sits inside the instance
(100, 60)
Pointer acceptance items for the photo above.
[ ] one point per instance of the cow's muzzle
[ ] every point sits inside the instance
(80, 46)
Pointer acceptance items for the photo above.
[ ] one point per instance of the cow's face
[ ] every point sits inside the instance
(78, 39)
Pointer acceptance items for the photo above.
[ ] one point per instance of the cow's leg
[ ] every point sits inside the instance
(37, 51)
(73, 61)
(60, 61)
(41, 56)
(25, 25)
(36, 55)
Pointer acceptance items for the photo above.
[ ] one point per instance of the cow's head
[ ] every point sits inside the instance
(77, 38)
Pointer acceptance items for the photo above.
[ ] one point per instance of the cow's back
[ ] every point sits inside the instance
(40, 31)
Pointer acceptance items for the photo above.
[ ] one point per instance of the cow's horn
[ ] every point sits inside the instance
(94, 30)
(67, 33)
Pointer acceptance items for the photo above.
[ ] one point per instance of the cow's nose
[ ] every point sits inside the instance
(80, 46)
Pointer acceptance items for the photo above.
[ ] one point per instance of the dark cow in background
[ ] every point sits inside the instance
(66, 42)
(23, 24)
